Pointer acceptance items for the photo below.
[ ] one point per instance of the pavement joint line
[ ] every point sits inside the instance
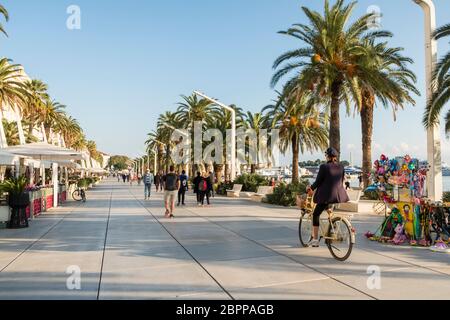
(288, 283)
(407, 262)
(367, 249)
(287, 256)
(185, 249)
(104, 244)
(66, 214)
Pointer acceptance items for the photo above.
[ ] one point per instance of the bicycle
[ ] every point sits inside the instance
(79, 194)
(336, 229)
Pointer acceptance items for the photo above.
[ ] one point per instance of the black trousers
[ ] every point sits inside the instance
(204, 194)
(181, 195)
(320, 207)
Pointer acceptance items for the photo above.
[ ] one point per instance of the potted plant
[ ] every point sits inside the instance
(18, 200)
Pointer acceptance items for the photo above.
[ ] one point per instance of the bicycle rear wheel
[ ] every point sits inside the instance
(305, 229)
(76, 195)
(340, 243)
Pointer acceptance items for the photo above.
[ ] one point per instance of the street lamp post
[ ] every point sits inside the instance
(184, 134)
(233, 131)
(434, 181)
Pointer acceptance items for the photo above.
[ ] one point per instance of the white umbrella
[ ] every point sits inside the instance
(45, 151)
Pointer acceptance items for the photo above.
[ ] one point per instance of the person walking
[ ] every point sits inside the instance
(148, 181)
(157, 181)
(171, 186)
(196, 183)
(212, 178)
(205, 189)
(329, 187)
(183, 188)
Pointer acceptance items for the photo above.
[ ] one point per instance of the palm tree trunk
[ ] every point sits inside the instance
(253, 168)
(335, 131)
(367, 131)
(295, 152)
(218, 169)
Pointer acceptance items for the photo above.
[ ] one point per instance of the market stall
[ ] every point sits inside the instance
(410, 218)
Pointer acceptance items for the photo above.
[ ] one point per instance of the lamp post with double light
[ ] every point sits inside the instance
(233, 131)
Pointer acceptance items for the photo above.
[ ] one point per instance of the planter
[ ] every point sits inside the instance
(19, 200)
(5, 213)
(18, 204)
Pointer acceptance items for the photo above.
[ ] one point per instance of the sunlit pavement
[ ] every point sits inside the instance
(124, 248)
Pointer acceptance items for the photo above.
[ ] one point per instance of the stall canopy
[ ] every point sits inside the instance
(7, 159)
(44, 151)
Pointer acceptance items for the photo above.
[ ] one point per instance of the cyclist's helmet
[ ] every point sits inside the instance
(331, 152)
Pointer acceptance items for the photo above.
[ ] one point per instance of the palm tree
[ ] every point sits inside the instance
(221, 120)
(256, 122)
(12, 89)
(302, 127)
(5, 14)
(441, 82)
(327, 62)
(11, 132)
(382, 74)
(37, 97)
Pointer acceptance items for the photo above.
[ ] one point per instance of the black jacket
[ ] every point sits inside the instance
(329, 184)
(195, 182)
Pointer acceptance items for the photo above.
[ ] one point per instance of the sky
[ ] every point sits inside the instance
(131, 61)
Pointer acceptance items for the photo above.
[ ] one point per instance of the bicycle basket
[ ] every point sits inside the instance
(305, 202)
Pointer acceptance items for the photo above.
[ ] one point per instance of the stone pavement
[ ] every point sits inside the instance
(234, 249)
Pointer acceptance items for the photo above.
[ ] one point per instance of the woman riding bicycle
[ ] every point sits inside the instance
(329, 187)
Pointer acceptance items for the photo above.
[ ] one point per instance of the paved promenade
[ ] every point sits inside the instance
(235, 249)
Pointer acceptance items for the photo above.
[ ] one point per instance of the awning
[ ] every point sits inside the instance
(44, 151)
(8, 159)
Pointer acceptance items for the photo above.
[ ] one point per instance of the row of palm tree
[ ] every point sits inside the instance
(337, 64)
(345, 64)
(38, 110)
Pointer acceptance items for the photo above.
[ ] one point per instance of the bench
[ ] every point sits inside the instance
(353, 204)
(234, 193)
(261, 193)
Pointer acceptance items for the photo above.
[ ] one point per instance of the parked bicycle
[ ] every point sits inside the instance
(336, 229)
(79, 194)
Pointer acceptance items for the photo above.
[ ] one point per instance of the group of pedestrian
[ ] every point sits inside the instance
(203, 187)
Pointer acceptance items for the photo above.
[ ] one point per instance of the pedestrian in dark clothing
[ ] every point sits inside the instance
(204, 188)
(158, 181)
(196, 182)
(183, 187)
(329, 187)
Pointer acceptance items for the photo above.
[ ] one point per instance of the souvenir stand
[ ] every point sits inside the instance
(401, 184)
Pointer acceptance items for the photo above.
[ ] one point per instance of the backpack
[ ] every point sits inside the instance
(171, 182)
(203, 186)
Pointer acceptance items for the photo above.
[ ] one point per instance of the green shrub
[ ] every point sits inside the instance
(371, 195)
(251, 182)
(286, 194)
(223, 187)
(446, 197)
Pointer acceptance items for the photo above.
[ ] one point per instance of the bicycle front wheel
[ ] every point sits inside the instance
(305, 229)
(339, 239)
(76, 195)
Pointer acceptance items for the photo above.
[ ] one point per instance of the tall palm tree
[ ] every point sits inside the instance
(11, 132)
(441, 79)
(37, 97)
(12, 89)
(382, 74)
(327, 61)
(221, 120)
(302, 127)
(256, 122)
(5, 14)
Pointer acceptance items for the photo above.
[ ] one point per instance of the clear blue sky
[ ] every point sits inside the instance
(132, 59)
